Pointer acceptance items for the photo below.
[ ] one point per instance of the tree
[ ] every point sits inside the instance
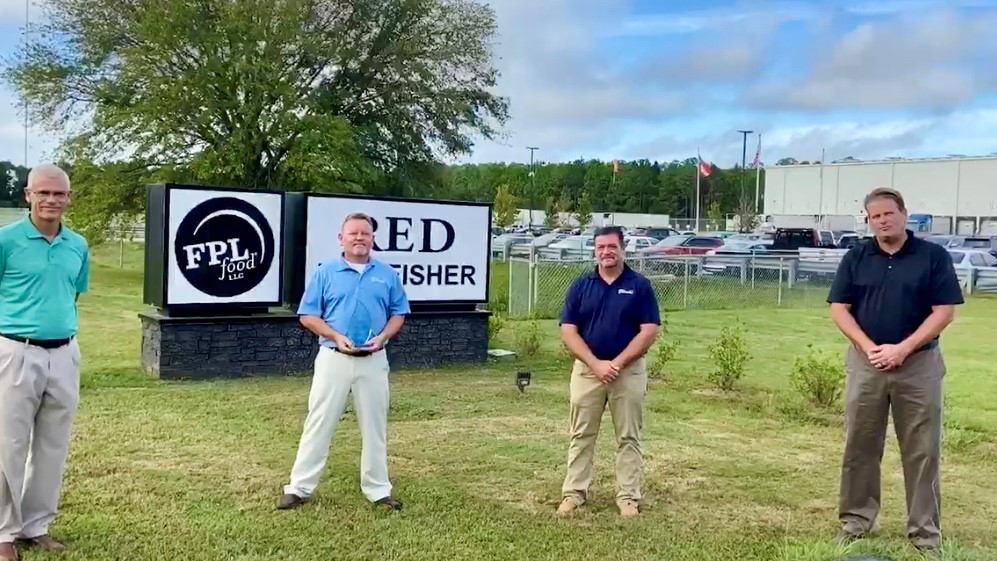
(552, 214)
(564, 212)
(329, 95)
(747, 216)
(504, 207)
(583, 214)
(715, 212)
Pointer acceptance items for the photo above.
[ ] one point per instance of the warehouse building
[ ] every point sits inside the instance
(956, 195)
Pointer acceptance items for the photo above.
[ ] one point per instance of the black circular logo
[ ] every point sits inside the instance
(224, 247)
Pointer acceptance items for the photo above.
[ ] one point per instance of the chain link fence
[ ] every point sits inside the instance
(537, 286)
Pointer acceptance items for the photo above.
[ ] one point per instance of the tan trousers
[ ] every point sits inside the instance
(589, 397)
(913, 393)
(40, 391)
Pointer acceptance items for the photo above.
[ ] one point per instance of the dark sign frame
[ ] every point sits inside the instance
(157, 235)
(296, 259)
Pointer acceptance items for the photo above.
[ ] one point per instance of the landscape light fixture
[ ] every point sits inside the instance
(522, 380)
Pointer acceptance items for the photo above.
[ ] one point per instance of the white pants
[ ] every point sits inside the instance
(336, 375)
(39, 394)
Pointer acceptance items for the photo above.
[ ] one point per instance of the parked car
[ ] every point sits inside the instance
(634, 244)
(572, 247)
(693, 245)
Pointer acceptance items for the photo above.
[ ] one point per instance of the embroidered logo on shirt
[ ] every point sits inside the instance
(625, 291)
(378, 279)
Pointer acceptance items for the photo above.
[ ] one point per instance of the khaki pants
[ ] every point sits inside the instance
(913, 393)
(39, 393)
(589, 397)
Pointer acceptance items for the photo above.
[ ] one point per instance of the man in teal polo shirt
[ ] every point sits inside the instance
(44, 266)
(354, 304)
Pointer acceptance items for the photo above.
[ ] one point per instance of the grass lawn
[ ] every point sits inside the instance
(192, 471)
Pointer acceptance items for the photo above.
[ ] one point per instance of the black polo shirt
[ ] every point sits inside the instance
(609, 316)
(892, 295)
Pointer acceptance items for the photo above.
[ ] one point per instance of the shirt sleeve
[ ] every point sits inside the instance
(83, 277)
(945, 288)
(312, 301)
(649, 312)
(399, 300)
(841, 287)
(571, 313)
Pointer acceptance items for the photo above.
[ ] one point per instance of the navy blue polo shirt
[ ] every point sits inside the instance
(892, 295)
(609, 316)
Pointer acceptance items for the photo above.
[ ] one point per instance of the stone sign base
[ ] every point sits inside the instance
(275, 344)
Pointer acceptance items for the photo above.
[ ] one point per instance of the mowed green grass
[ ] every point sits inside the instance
(192, 470)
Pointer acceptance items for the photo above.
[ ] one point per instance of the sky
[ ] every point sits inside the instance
(661, 80)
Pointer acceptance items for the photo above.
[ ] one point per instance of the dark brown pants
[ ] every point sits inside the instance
(913, 393)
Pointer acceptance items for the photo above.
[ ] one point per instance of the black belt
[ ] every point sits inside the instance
(43, 343)
(928, 346)
(353, 353)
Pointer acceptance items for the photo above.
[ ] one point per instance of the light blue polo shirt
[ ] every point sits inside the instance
(39, 281)
(356, 304)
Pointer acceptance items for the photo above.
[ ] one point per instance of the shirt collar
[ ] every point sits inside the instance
(33, 233)
(343, 265)
(624, 273)
(905, 248)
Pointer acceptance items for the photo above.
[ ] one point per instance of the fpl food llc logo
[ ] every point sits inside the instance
(224, 247)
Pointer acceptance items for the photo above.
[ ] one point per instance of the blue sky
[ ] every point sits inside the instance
(660, 79)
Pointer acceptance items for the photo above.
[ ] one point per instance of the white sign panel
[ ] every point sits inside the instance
(440, 250)
(223, 247)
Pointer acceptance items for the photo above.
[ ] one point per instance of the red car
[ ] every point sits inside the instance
(693, 245)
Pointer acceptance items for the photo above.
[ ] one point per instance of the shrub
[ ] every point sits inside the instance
(661, 354)
(529, 340)
(496, 323)
(730, 354)
(818, 377)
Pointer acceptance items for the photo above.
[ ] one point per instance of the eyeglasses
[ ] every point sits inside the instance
(57, 195)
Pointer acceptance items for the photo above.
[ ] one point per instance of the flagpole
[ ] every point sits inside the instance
(699, 162)
(758, 172)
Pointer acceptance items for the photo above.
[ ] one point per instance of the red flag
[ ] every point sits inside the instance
(705, 169)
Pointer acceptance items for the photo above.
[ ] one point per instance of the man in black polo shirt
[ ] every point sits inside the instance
(892, 297)
(610, 320)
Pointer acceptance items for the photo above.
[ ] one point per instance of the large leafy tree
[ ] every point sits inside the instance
(331, 95)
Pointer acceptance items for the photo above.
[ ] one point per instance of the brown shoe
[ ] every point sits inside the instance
(47, 543)
(567, 507)
(628, 508)
(8, 552)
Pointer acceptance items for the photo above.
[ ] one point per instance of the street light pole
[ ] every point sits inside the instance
(533, 183)
(744, 158)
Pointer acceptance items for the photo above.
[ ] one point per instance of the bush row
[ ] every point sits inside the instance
(816, 376)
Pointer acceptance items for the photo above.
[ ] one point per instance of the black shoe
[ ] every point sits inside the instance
(289, 501)
(390, 503)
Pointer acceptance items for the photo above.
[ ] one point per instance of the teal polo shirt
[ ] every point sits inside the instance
(39, 281)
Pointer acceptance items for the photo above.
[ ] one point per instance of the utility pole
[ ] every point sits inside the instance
(533, 182)
(744, 159)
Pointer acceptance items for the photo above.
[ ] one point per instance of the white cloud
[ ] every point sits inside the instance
(41, 146)
(927, 59)
(966, 132)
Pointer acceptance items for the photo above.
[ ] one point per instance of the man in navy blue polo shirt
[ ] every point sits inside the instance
(892, 297)
(355, 305)
(610, 320)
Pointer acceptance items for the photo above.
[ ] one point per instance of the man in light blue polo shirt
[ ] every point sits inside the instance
(44, 266)
(355, 305)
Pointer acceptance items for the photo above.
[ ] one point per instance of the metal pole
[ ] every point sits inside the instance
(27, 21)
(744, 157)
(533, 181)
